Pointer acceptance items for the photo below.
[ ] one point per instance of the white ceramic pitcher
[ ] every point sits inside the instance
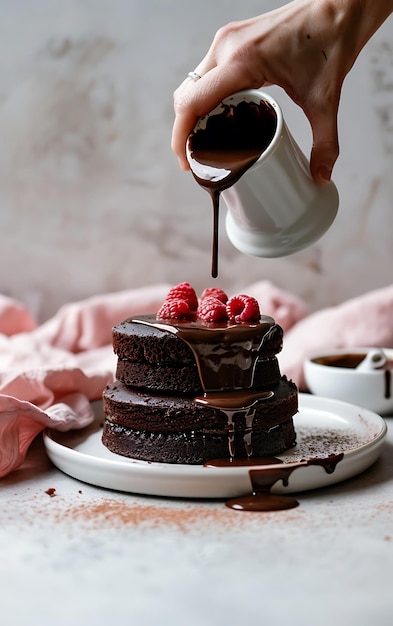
(276, 208)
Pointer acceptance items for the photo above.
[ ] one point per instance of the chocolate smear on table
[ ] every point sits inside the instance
(263, 480)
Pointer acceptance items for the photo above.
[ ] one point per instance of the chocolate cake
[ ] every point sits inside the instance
(200, 383)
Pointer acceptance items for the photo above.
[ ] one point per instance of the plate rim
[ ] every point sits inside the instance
(141, 469)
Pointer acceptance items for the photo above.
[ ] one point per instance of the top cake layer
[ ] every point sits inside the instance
(227, 355)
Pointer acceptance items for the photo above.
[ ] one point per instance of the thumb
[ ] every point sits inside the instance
(325, 149)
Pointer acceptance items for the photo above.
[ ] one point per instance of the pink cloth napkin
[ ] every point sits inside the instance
(363, 321)
(50, 373)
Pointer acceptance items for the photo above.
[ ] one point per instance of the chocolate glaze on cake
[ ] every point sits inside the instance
(183, 379)
(150, 355)
(189, 391)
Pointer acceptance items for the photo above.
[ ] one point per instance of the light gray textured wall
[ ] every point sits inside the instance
(91, 197)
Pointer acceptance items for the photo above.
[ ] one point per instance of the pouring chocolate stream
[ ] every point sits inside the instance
(221, 152)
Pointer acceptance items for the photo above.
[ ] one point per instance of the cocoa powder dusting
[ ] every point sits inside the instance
(115, 513)
(110, 512)
(322, 443)
(104, 513)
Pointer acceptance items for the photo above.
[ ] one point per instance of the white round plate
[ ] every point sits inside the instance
(324, 427)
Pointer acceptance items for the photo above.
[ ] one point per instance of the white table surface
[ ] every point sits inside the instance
(92, 556)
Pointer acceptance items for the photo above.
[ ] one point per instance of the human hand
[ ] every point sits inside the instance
(305, 47)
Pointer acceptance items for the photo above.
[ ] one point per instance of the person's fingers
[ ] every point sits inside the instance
(323, 157)
(196, 98)
(325, 149)
(202, 68)
(185, 103)
(184, 120)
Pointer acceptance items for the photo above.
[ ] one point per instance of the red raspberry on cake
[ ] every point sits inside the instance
(174, 309)
(215, 292)
(212, 310)
(243, 308)
(184, 291)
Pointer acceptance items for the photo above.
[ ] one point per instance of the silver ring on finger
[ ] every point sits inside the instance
(194, 75)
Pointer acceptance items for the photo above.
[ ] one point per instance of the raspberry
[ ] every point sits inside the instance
(184, 291)
(212, 310)
(215, 292)
(243, 309)
(174, 309)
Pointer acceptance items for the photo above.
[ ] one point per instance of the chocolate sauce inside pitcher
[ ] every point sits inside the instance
(226, 148)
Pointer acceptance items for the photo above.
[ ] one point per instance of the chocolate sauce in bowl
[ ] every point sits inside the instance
(352, 360)
(388, 383)
(347, 360)
(226, 148)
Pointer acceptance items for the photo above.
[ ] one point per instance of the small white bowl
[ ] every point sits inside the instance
(326, 375)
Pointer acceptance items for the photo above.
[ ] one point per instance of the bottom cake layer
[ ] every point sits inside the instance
(193, 447)
(176, 429)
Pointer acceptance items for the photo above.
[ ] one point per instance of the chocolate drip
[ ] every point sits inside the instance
(263, 480)
(226, 357)
(226, 354)
(215, 195)
(235, 401)
(329, 464)
(388, 386)
(226, 148)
